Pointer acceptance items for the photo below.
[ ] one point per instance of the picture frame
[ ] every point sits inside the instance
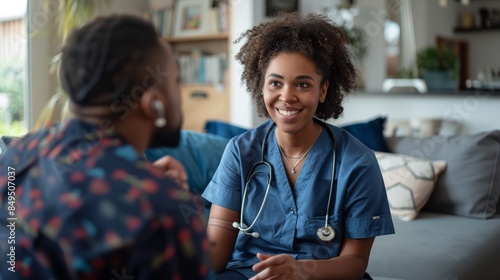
(191, 18)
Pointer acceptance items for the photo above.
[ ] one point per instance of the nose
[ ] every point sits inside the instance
(287, 94)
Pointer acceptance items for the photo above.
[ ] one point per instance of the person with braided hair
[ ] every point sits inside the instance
(295, 197)
(84, 201)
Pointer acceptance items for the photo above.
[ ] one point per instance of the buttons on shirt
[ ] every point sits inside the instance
(291, 210)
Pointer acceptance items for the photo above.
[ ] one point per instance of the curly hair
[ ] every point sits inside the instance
(314, 36)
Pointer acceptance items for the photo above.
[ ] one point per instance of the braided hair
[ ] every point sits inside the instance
(313, 36)
(106, 58)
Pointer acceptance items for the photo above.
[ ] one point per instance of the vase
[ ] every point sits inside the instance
(440, 80)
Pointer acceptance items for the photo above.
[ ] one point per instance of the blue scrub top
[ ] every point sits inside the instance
(290, 218)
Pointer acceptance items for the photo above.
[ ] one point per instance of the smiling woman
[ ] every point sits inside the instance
(298, 70)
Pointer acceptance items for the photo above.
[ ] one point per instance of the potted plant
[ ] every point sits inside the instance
(439, 67)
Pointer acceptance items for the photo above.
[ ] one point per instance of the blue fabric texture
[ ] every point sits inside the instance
(223, 129)
(198, 152)
(370, 133)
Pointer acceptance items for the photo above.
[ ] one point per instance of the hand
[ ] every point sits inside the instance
(173, 169)
(278, 267)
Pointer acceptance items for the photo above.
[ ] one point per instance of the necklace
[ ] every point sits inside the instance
(299, 157)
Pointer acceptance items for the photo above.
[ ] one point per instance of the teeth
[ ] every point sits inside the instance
(287, 113)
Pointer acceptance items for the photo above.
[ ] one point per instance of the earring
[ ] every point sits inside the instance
(160, 121)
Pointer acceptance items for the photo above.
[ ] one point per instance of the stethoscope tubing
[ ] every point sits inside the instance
(252, 173)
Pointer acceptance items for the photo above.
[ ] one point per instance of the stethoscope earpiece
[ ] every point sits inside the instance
(326, 233)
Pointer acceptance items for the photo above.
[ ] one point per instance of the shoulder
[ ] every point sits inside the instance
(256, 134)
(27, 146)
(246, 147)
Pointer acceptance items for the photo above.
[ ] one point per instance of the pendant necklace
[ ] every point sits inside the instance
(299, 157)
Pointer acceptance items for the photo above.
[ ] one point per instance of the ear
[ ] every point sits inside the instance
(323, 91)
(147, 101)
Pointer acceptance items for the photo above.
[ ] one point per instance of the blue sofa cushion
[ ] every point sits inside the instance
(370, 133)
(223, 129)
(198, 152)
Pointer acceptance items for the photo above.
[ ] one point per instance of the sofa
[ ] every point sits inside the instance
(456, 233)
(443, 191)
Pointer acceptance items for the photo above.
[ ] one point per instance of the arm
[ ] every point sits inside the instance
(221, 235)
(350, 264)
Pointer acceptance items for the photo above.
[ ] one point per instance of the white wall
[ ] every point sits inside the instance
(242, 17)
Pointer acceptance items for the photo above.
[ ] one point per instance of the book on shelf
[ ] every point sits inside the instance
(161, 14)
(202, 68)
(162, 19)
(223, 16)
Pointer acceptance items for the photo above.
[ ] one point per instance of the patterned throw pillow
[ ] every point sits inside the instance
(409, 182)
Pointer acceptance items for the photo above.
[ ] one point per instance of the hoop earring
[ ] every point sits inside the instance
(160, 121)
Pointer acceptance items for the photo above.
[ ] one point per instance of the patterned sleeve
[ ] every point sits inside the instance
(179, 247)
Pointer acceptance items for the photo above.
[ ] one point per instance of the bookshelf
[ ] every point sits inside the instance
(203, 64)
(203, 58)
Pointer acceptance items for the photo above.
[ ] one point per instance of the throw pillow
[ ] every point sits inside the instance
(198, 152)
(471, 184)
(370, 133)
(409, 182)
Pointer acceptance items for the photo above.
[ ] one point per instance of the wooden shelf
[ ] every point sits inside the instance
(432, 93)
(208, 37)
(476, 29)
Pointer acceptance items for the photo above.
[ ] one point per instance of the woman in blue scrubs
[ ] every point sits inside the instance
(279, 185)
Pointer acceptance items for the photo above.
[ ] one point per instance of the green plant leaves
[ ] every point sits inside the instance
(439, 59)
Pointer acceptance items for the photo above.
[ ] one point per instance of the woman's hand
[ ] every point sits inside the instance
(278, 267)
(173, 169)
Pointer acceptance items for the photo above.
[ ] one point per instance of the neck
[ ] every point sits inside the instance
(131, 128)
(132, 134)
(297, 144)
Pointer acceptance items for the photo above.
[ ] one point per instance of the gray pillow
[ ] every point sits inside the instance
(498, 206)
(470, 186)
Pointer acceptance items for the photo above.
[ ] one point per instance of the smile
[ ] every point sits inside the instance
(288, 113)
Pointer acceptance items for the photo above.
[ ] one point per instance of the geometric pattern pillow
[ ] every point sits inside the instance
(409, 182)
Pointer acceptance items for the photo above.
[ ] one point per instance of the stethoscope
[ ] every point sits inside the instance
(325, 233)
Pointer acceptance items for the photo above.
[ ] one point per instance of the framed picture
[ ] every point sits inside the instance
(191, 18)
(273, 7)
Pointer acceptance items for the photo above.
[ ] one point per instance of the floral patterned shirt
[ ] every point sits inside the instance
(81, 203)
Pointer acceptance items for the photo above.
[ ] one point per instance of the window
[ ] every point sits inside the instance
(13, 69)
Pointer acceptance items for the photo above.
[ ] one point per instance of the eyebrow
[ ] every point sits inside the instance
(300, 77)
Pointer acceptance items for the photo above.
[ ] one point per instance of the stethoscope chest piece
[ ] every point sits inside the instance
(326, 233)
